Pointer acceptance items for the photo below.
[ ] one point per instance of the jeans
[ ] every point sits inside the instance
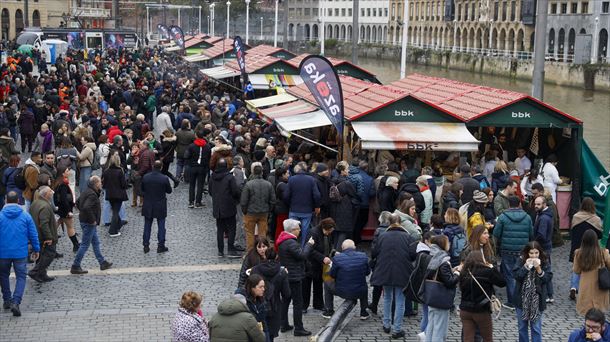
(182, 166)
(89, 238)
(148, 221)
(21, 268)
(305, 219)
(27, 205)
(107, 212)
(115, 222)
(197, 178)
(438, 323)
(574, 281)
(393, 294)
(509, 260)
(329, 297)
(297, 306)
(424, 318)
(83, 180)
(535, 327)
(225, 225)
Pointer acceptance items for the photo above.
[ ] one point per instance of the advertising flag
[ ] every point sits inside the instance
(238, 47)
(323, 82)
(596, 184)
(177, 35)
(163, 32)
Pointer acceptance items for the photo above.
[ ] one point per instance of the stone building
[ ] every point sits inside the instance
(41, 13)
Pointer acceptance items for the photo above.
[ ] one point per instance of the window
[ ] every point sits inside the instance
(606, 7)
(386, 12)
(374, 12)
(307, 12)
(343, 12)
(564, 8)
(513, 10)
(299, 12)
(336, 12)
(574, 8)
(496, 8)
(330, 12)
(349, 12)
(315, 12)
(362, 11)
(459, 13)
(504, 10)
(291, 12)
(473, 12)
(466, 12)
(553, 8)
(368, 12)
(584, 7)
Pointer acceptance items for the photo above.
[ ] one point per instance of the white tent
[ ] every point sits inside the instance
(54, 48)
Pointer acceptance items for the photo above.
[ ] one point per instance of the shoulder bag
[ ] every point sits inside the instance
(494, 302)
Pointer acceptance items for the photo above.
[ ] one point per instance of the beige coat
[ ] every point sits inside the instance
(87, 155)
(589, 294)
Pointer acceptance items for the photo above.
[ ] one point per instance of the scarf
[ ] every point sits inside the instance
(47, 142)
(583, 216)
(530, 298)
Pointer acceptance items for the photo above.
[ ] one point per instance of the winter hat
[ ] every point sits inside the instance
(480, 197)
(321, 167)
(225, 136)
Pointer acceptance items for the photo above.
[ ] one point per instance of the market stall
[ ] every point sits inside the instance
(343, 67)
(268, 50)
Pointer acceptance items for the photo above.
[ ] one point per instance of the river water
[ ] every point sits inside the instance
(593, 108)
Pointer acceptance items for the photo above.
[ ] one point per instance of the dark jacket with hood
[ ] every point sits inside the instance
(225, 194)
(198, 153)
(350, 269)
(451, 230)
(234, 323)
(387, 199)
(513, 230)
(277, 276)
(581, 222)
(470, 185)
(113, 180)
(393, 258)
(292, 256)
(344, 211)
(324, 188)
(450, 200)
(543, 229)
(413, 189)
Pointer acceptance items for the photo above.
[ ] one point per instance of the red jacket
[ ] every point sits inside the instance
(113, 132)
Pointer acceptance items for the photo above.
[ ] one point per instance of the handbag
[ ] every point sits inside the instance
(437, 295)
(495, 304)
(603, 278)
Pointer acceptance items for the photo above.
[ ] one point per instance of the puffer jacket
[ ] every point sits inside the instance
(292, 256)
(350, 269)
(257, 196)
(16, 229)
(234, 323)
(189, 327)
(408, 223)
(514, 230)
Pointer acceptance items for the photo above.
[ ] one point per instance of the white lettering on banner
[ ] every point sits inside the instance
(278, 70)
(521, 115)
(418, 146)
(602, 187)
(404, 113)
(322, 88)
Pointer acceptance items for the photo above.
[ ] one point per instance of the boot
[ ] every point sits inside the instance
(141, 201)
(75, 244)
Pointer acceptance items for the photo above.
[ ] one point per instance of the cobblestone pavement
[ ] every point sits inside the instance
(136, 300)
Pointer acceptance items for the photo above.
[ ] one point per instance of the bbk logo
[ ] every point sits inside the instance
(602, 186)
(521, 115)
(404, 113)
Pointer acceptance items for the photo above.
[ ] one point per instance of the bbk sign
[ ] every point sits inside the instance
(521, 115)
(602, 185)
(404, 113)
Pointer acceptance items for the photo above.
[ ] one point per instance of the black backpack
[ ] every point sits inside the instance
(19, 178)
(414, 288)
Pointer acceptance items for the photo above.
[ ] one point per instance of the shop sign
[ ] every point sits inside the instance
(521, 115)
(403, 113)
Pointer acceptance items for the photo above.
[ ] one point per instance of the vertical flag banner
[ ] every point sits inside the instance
(163, 32)
(177, 35)
(238, 47)
(323, 82)
(596, 184)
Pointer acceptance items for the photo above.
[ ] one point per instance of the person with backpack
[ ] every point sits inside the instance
(86, 160)
(344, 204)
(513, 230)
(456, 235)
(8, 177)
(27, 178)
(67, 156)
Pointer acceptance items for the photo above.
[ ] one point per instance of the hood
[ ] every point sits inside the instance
(91, 145)
(548, 212)
(284, 236)
(31, 162)
(411, 188)
(221, 148)
(354, 170)
(454, 228)
(403, 216)
(439, 256)
(515, 215)
(422, 247)
(450, 196)
(478, 177)
(219, 175)
(11, 211)
(583, 216)
(200, 142)
(169, 139)
(5, 140)
(231, 306)
(268, 269)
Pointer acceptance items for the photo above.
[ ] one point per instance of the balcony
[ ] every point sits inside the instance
(90, 12)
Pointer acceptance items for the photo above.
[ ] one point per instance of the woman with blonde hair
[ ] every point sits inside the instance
(189, 325)
(500, 176)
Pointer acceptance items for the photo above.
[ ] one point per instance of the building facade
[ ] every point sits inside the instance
(571, 21)
(41, 13)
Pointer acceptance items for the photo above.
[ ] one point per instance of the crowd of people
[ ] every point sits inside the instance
(99, 129)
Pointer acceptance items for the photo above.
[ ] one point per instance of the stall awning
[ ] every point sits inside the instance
(270, 100)
(303, 121)
(220, 72)
(261, 81)
(196, 58)
(173, 48)
(420, 136)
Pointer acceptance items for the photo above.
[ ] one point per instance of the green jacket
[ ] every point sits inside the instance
(513, 230)
(151, 103)
(44, 218)
(500, 203)
(234, 323)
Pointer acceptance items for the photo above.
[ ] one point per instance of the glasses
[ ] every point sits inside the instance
(593, 327)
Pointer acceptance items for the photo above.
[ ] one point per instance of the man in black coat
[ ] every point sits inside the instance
(89, 216)
(320, 255)
(225, 196)
(198, 155)
(155, 186)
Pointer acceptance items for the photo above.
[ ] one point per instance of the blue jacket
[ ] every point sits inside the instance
(514, 230)
(302, 194)
(355, 178)
(369, 189)
(16, 229)
(350, 269)
(543, 229)
(580, 335)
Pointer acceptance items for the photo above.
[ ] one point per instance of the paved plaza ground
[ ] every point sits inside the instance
(136, 300)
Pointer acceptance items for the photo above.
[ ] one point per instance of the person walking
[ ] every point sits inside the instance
(588, 259)
(31, 170)
(168, 148)
(115, 186)
(585, 219)
(293, 257)
(543, 233)
(302, 197)
(225, 195)
(513, 230)
(85, 162)
(64, 201)
(44, 217)
(257, 200)
(188, 324)
(393, 260)
(198, 155)
(155, 187)
(531, 273)
(89, 216)
(17, 229)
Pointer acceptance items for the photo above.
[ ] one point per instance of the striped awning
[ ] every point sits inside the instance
(220, 72)
(196, 58)
(270, 101)
(261, 81)
(416, 136)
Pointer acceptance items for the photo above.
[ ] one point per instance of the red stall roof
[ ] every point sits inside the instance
(296, 61)
(350, 86)
(255, 62)
(266, 50)
(216, 51)
(213, 40)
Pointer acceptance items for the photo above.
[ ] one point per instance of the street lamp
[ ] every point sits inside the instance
(208, 24)
(228, 17)
(405, 27)
(247, 20)
(212, 17)
(261, 29)
(321, 33)
(491, 26)
(275, 29)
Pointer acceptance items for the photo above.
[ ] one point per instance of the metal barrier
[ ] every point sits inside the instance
(327, 333)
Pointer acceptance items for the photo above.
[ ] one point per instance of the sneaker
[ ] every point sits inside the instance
(162, 249)
(115, 234)
(328, 313)
(573, 294)
(221, 255)
(105, 265)
(550, 300)
(386, 330)
(146, 249)
(399, 334)
(6, 305)
(234, 254)
(421, 336)
(191, 205)
(364, 316)
(302, 332)
(78, 270)
(15, 310)
(199, 206)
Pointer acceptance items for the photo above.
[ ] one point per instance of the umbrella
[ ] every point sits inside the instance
(26, 49)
